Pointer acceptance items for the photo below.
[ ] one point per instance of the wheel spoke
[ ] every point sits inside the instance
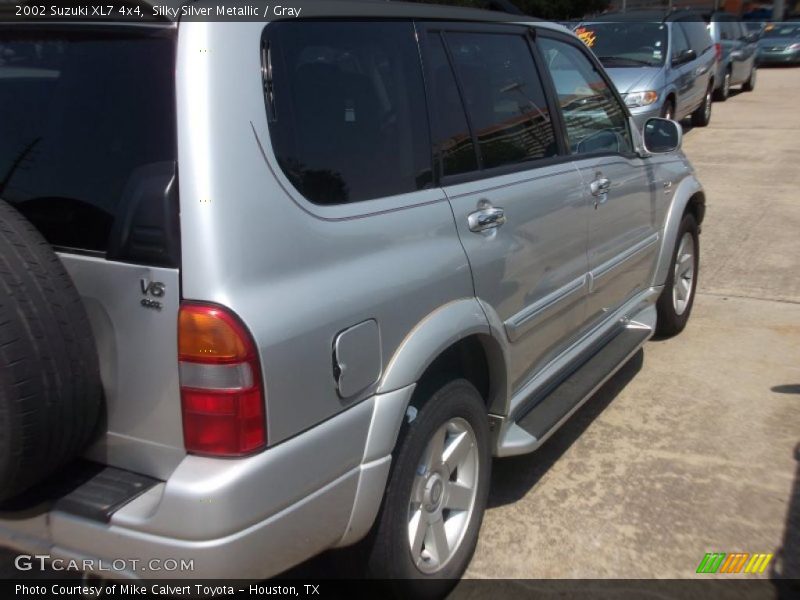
(457, 450)
(438, 540)
(417, 488)
(686, 285)
(417, 528)
(435, 449)
(685, 263)
(459, 496)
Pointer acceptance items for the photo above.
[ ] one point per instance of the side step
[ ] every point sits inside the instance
(548, 408)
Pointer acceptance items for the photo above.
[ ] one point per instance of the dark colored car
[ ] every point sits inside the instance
(780, 44)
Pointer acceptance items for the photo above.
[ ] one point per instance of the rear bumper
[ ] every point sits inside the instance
(248, 519)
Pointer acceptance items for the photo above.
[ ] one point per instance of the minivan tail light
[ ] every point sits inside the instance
(718, 50)
(222, 400)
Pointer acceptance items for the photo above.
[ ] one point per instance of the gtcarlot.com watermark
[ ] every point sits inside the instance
(44, 562)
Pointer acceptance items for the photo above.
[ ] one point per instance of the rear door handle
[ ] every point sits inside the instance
(486, 218)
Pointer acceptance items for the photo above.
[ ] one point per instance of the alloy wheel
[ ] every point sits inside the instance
(683, 277)
(443, 495)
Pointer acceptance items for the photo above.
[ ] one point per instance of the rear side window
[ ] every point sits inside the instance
(504, 97)
(698, 36)
(87, 139)
(452, 139)
(347, 109)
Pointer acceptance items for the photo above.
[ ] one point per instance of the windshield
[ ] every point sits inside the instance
(626, 44)
(783, 31)
(753, 26)
(84, 111)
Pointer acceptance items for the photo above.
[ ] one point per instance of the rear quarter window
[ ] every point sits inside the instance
(88, 127)
(347, 109)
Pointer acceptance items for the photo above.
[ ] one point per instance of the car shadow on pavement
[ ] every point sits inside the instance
(791, 388)
(785, 572)
(512, 478)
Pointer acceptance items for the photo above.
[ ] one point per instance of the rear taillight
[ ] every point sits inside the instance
(718, 50)
(221, 394)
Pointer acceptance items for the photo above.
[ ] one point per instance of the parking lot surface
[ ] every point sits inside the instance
(691, 448)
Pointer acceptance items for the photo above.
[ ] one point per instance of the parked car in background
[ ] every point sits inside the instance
(780, 44)
(663, 65)
(279, 309)
(737, 49)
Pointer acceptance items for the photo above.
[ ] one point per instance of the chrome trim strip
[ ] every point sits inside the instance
(608, 266)
(518, 324)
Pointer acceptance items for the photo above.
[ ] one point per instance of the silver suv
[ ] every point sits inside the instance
(268, 288)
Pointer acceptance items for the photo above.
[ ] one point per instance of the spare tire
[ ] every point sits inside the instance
(50, 390)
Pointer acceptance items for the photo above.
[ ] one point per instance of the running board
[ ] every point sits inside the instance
(547, 409)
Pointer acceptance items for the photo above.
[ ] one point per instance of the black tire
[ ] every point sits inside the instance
(668, 109)
(670, 321)
(701, 117)
(389, 553)
(50, 390)
(750, 84)
(724, 91)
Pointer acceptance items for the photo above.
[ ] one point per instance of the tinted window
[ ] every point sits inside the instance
(504, 97)
(679, 42)
(88, 134)
(628, 45)
(348, 120)
(452, 140)
(698, 36)
(594, 118)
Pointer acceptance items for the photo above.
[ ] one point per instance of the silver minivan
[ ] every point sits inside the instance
(664, 65)
(274, 288)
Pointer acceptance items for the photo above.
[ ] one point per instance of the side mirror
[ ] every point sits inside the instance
(685, 56)
(661, 136)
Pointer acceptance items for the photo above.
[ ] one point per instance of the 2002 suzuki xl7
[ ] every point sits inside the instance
(269, 287)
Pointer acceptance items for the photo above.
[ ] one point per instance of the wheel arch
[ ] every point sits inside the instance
(689, 197)
(457, 338)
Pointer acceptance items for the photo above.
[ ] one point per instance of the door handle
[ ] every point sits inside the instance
(600, 186)
(486, 218)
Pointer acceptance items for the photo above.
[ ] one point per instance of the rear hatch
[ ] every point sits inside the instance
(88, 154)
